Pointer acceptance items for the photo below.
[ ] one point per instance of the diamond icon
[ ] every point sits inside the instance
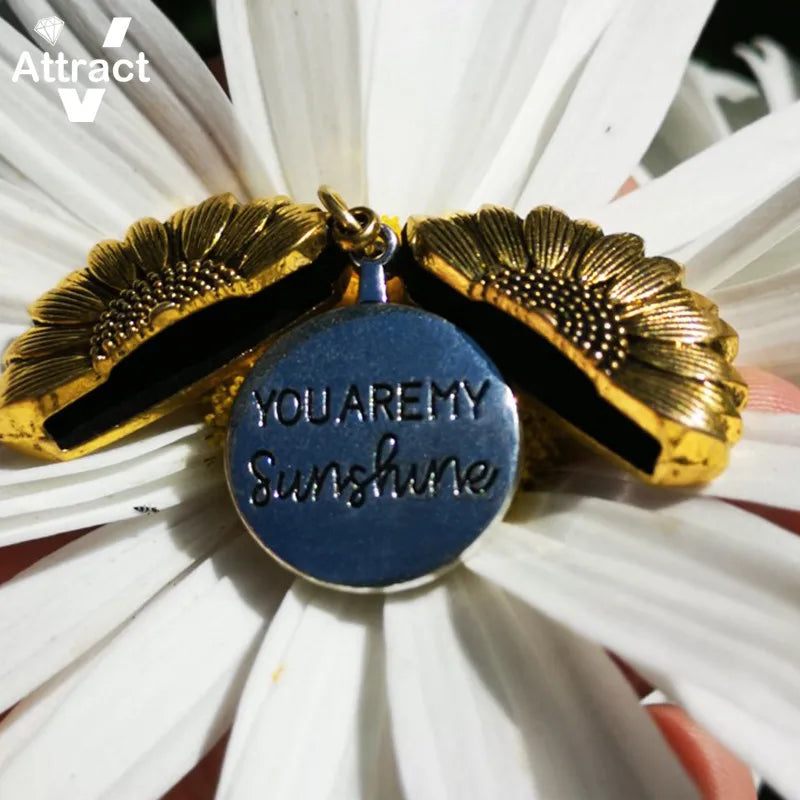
(49, 28)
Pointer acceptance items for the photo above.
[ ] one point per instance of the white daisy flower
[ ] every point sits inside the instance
(711, 103)
(128, 652)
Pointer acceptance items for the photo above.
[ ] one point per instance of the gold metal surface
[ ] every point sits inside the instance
(355, 230)
(133, 290)
(657, 352)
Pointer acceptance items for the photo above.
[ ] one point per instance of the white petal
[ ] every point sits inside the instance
(240, 50)
(781, 257)
(773, 68)
(617, 105)
(694, 121)
(141, 711)
(764, 312)
(490, 699)
(308, 58)
(741, 241)
(722, 183)
(182, 95)
(765, 744)
(514, 41)
(16, 468)
(161, 494)
(66, 603)
(700, 589)
(761, 426)
(78, 488)
(316, 687)
(578, 31)
(761, 472)
(751, 306)
(83, 173)
(447, 80)
(120, 127)
(28, 218)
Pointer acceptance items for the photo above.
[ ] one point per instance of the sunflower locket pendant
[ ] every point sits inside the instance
(372, 445)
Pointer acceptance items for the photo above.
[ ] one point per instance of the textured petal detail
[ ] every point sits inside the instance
(76, 302)
(501, 236)
(700, 363)
(201, 227)
(699, 405)
(555, 242)
(291, 708)
(538, 711)
(38, 378)
(592, 297)
(710, 590)
(43, 340)
(58, 609)
(652, 276)
(112, 264)
(149, 241)
(153, 700)
(455, 240)
(611, 256)
(290, 227)
(246, 223)
(672, 318)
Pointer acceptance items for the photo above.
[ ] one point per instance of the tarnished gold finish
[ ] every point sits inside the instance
(355, 230)
(134, 290)
(656, 353)
(604, 336)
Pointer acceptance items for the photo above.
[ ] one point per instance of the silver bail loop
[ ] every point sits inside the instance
(372, 276)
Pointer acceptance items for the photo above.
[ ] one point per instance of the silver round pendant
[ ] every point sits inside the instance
(371, 446)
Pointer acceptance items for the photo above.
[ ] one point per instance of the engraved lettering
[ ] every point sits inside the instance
(381, 397)
(324, 414)
(264, 407)
(405, 401)
(386, 477)
(261, 459)
(480, 476)
(408, 398)
(476, 398)
(291, 412)
(451, 393)
(352, 402)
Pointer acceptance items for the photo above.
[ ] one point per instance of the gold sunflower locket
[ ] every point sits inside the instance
(604, 336)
